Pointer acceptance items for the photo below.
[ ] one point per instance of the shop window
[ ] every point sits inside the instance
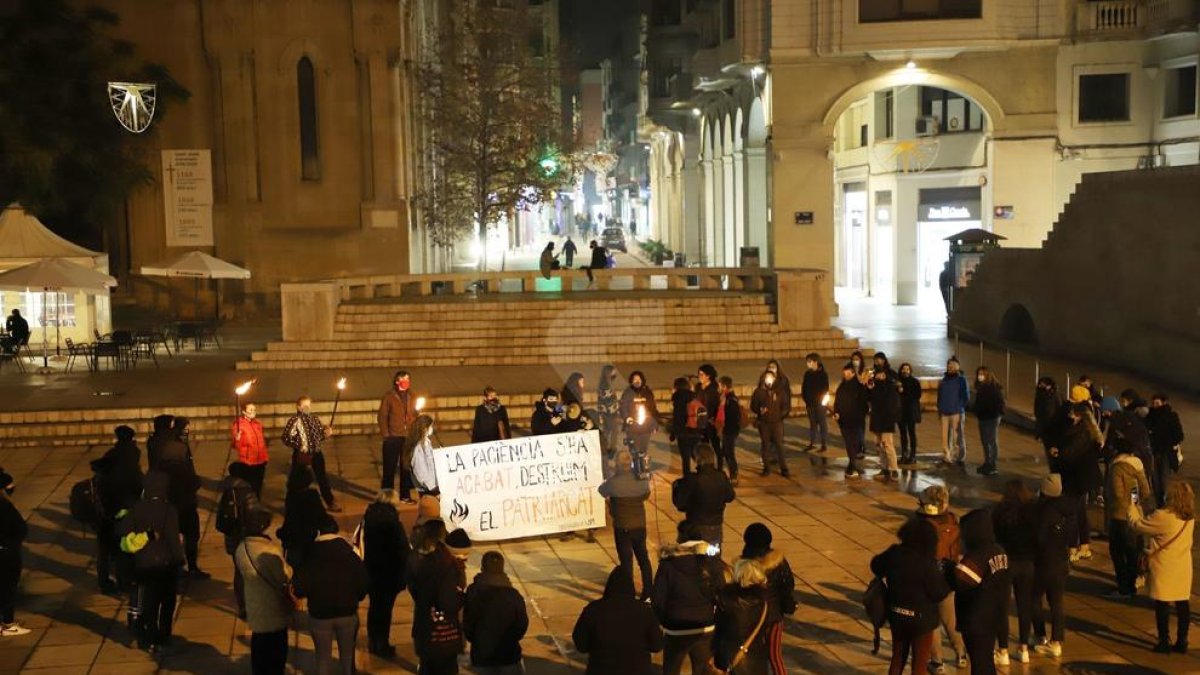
(1104, 97)
(949, 112)
(873, 11)
(1179, 95)
(306, 88)
(59, 308)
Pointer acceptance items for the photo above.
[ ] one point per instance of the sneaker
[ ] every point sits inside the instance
(882, 477)
(1163, 647)
(1180, 647)
(937, 668)
(13, 630)
(962, 661)
(1001, 657)
(853, 473)
(1022, 654)
(1052, 649)
(1085, 552)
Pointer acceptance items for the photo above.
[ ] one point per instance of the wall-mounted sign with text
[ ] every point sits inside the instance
(804, 217)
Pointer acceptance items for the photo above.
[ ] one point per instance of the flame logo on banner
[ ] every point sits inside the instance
(133, 104)
(459, 512)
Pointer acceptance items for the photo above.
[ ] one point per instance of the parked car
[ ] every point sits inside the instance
(613, 239)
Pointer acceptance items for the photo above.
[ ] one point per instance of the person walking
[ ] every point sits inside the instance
(952, 399)
(813, 390)
(850, 405)
(1054, 528)
(13, 531)
(728, 423)
(176, 463)
(914, 589)
(989, 410)
(266, 578)
(640, 413)
(702, 495)
(780, 584)
(910, 414)
(151, 532)
(491, 419)
(1169, 532)
(1126, 487)
(690, 574)
(685, 404)
(767, 402)
(420, 446)
(303, 515)
(627, 494)
(397, 412)
(1077, 457)
(251, 445)
(741, 643)
(618, 632)
(608, 408)
(934, 508)
(385, 550)
(334, 580)
(980, 582)
(494, 620)
(1013, 521)
(883, 394)
(238, 500)
(1166, 435)
(305, 435)
(569, 250)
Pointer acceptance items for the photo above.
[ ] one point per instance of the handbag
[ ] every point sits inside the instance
(287, 591)
(745, 646)
(445, 635)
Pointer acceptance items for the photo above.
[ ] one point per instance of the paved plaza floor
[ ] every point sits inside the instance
(828, 529)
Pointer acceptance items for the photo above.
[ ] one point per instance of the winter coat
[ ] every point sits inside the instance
(729, 415)
(1127, 433)
(184, 482)
(850, 403)
(303, 433)
(397, 412)
(118, 481)
(424, 472)
(13, 529)
(155, 514)
(680, 399)
(768, 404)
(1078, 461)
(686, 586)
(915, 586)
(1046, 403)
(910, 399)
(608, 404)
(125, 457)
(626, 495)
(332, 577)
(494, 621)
(542, 421)
(980, 580)
(385, 548)
(618, 632)
(490, 425)
(154, 446)
(303, 514)
(1055, 528)
(1164, 428)
(1014, 527)
(249, 441)
(949, 546)
(1125, 474)
(265, 576)
(702, 496)
(629, 399)
(781, 583)
(1169, 544)
(710, 398)
(739, 611)
(884, 398)
(989, 401)
(814, 386)
(953, 394)
(237, 496)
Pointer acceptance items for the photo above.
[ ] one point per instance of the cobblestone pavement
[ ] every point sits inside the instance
(828, 529)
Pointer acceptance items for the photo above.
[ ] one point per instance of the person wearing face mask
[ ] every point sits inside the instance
(767, 403)
(709, 393)
(850, 405)
(184, 484)
(910, 414)
(989, 409)
(608, 408)
(952, 398)
(639, 412)
(305, 434)
(13, 531)
(397, 411)
(548, 415)
(420, 439)
(884, 397)
(813, 389)
(491, 419)
(251, 445)
(859, 365)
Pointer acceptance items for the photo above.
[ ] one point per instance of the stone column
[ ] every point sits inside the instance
(756, 203)
(729, 221)
(739, 198)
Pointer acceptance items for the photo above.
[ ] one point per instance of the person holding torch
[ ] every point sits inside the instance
(251, 445)
(397, 412)
(640, 414)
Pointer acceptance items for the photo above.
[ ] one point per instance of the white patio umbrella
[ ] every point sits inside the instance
(58, 275)
(197, 265)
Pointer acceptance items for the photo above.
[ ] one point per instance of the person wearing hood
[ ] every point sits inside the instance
(767, 403)
(250, 442)
(305, 434)
(548, 415)
(702, 496)
(780, 585)
(627, 494)
(1166, 435)
(934, 508)
(910, 414)
(385, 552)
(952, 398)
(915, 589)
(491, 419)
(1127, 427)
(176, 462)
(420, 444)
(685, 432)
(618, 632)
(1077, 457)
(813, 389)
(397, 412)
(1013, 521)
(690, 574)
(238, 500)
(13, 531)
(988, 407)
(608, 407)
(334, 580)
(119, 485)
(151, 532)
(1170, 531)
(159, 436)
(742, 642)
(728, 423)
(265, 577)
(850, 405)
(437, 588)
(640, 413)
(1126, 486)
(494, 619)
(1046, 404)
(303, 515)
(883, 394)
(980, 581)
(1054, 528)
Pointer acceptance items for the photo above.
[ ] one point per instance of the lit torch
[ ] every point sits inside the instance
(238, 393)
(420, 403)
(341, 386)
(826, 400)
(641, 414)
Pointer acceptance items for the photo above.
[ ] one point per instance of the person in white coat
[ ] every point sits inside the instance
(423, 469)
(1169, 533)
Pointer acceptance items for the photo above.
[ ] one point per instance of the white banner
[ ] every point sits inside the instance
(522, 487)
(188, 197)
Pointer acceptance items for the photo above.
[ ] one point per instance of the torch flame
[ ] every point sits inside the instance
(341, 384)
(826, 399)
(420, 403)
(244, 387)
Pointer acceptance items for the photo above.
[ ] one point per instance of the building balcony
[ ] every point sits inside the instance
(1134, 19)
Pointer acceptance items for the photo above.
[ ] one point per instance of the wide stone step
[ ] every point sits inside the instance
(578, 313)
(482, 305)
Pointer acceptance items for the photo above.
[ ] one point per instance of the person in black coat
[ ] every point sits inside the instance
(1077, 458)
(915, 586)
(303, 514)
(119, 485)
(883, 392)
(741, 644)
(334, 580)
(910, 414)
(850, 405)
(158, 561)
(437, 593)
(1054, 527)
(728, 422)
(176, 461)
(547, 415)
(684, 436)
(159, 436)
(690, 574)
(780, 584)
(618, 632)
(708, 391)
(989, 409)
(1013, 521)
(491, 419)
(494, 618)
(702, 496)
(813, 389)
(385, 552)
(1166, 434)
(980, 581)
(1046, 402)
(13, 531)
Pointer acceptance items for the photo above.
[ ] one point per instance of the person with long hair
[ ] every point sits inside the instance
(741, 642)
(1169, 532)
(572, 390)
(385, 552)
(989, 410)
(420, 444)
(639, 412)
(1013, 519)
(1047, 403)
(915, 587)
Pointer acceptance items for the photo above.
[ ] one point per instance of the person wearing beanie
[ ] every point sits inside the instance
(238, 500)
(334, 580)
(494, 619)
(13, 531)
(690, 574)
(980, 581)
(459, 544)
(159, 436)
(934, 508)
(118, 476)
(780, 584)
(265, 578)
(1054, 526)
(914, 589)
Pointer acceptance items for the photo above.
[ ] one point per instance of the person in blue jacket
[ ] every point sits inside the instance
(953, 396)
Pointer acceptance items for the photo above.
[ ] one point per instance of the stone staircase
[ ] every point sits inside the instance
(534, 331)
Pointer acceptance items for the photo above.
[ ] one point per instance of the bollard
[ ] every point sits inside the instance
(1037, 371)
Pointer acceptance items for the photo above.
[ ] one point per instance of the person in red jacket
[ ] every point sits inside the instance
(251, 446)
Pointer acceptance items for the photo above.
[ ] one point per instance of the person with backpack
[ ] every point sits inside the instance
(334, 580)
(1170, 531)
(702, 496)
(1126, 487)
(767, 403)
(813, 390)
(980, 581)
(437, 588)
(13, 531)
(494, 619)
(728, 422)
(690, 574)
(618, 632)
(910, 414)
(914, 588)
(250, 442)
(988, 406)
(953, 396)
(266, 580)
(385, 549)
(115, 486)
(934, 508)
(780, 584)
(627, 494)
(1054, 527)
(683, 427)
(850, 405)
(491, 419)
(883, 394)
(151, 533)
(1013, 522)
(238, 499)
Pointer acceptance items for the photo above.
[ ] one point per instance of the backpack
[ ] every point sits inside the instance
(85, 502)
(949, 535)
(697, 415)
(229, 518)
(875, 602)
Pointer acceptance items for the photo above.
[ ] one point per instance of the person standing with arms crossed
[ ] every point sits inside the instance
(397, 412)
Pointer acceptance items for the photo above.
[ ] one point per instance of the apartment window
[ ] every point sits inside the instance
(1104, 97)
(666, 13)
(885, 115)
(952, 113)
(663, 76)
(306, 88)
(1179, 95)
(729, 18)
(873, 11)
